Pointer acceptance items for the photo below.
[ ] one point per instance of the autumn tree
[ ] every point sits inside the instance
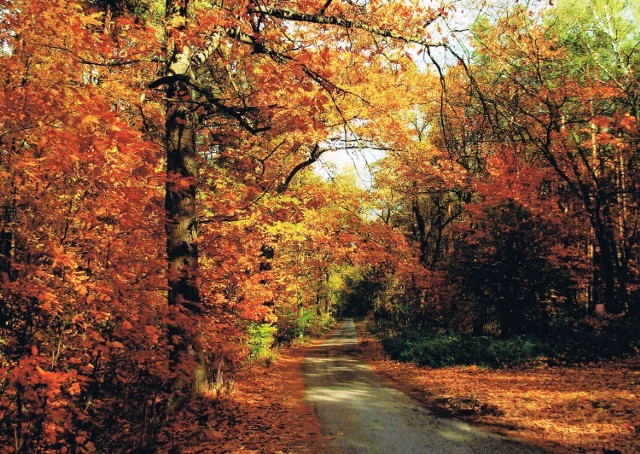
(83, 279)
(507, 270)
(602, 39)
(216, 106)
(535, 94)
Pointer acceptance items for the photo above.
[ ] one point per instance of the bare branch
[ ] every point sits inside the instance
(347, 24)
(313, 157)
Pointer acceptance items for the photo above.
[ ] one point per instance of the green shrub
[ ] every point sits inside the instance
(441, 350)
(302, 323)
(261, 339)
(569, 345)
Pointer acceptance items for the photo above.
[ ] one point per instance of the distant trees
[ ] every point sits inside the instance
(520, 190)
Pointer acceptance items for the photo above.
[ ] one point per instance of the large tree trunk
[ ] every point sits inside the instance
(181, 222)
(180, 204)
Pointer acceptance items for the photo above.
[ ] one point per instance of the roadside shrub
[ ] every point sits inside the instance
(442, 350)
(301, 323)
(261, 339)
(580, 343)
(516, 351)
(321, 324)
(287, 322)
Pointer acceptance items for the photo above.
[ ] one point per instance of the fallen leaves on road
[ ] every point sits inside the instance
(591, 408)
(273, 398)
(265, 414)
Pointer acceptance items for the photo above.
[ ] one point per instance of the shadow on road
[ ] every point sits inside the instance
(363, 415)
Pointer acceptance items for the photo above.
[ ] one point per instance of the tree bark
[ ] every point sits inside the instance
(181, 224)
(614, 291)
(180, 204)
(420, 230)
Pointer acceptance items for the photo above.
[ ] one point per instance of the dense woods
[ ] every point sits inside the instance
(168, 214)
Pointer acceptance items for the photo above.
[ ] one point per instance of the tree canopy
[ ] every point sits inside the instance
(162, 223)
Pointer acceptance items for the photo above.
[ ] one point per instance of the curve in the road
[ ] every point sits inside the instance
(361, 414)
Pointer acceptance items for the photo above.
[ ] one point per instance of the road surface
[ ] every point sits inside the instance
(363, 415)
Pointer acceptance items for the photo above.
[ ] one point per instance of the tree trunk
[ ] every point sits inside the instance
(6, 239)
(181, 222)
(613, 296)
(421, 230)
(6, 245)
(180, 204)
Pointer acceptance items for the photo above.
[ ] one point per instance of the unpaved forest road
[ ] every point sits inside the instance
(363, 415)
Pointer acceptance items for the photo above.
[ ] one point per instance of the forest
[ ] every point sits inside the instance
(175, 207)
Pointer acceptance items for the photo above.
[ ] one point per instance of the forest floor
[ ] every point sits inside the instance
(364, 413)
(581, 409)
(592, 408)
(265, 413)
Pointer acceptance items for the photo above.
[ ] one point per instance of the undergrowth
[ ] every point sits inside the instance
(561, 346)
(264, 339)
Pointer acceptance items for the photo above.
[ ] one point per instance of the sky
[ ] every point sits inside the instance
(334, 162)
(454, 27)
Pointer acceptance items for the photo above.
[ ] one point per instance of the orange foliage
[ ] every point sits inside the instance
(264, 411)
(587, 408)
(100, 345)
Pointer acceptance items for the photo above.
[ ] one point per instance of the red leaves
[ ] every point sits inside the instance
(587, 408)
(87, 230)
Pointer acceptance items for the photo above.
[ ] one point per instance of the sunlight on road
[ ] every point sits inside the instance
(362, 415)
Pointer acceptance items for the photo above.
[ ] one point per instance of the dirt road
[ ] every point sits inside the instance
(363, 415)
